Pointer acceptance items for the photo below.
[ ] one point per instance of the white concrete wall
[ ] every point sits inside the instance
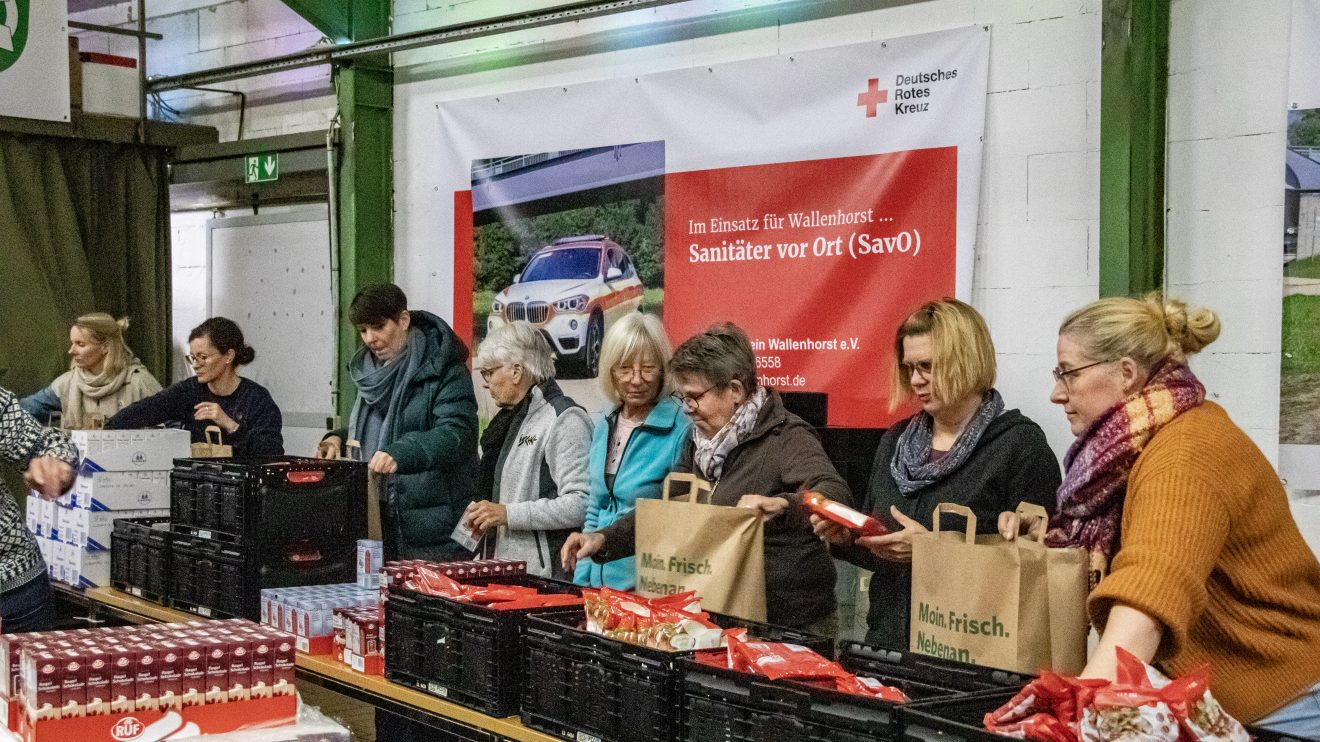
(204, 34)
(1036, 255)
(1228, 96)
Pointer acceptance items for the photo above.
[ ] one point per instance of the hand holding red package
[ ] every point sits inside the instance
(855, 521)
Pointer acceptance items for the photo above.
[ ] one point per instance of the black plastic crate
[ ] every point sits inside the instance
(635, 689)
(469, 654)
(724, 704)
(264, 500)
(141, 557)
(962, 719)
(217, 579)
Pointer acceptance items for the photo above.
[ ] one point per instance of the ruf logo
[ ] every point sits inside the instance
(13, 31)
(127, 728)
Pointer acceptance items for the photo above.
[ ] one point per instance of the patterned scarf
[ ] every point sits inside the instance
(1090, 501)
(911, 466)
(710, 452)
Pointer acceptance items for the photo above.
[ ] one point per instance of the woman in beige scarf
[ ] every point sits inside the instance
(103, 378)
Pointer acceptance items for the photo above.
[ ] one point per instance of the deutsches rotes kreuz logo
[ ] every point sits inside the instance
(13, 31)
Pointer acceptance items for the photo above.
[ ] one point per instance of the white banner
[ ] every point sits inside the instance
(814, 199)
(34, 59)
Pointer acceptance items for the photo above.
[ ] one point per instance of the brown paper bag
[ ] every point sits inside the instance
(214, 447)
(987, 601)
(684, 544)
(375, 486)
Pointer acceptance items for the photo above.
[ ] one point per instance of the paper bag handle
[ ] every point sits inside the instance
(353, 450)
(1039, 520)
(955, 509)
(207, 434)
(694, 491)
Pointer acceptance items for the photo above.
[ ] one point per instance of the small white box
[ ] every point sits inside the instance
(131, 450)
(369, 564)
(32, 513)
(122, 490)
(110, 84)
(90, 530)
(48, 511)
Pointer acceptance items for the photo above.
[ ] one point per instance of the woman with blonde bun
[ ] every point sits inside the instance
(1197, 557)
(103, 377)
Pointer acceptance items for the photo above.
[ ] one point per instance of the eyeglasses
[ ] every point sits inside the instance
(486, 373)
(649, 372)
(200, 359)
(921, 368)
(1064, 376)
(689, 403)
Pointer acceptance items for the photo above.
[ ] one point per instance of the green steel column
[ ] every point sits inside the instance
(1134, 69)
(365, 183)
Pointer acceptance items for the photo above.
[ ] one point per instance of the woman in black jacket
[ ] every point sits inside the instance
(962, 447)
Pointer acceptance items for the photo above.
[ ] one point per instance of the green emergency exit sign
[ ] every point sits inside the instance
(261, 168)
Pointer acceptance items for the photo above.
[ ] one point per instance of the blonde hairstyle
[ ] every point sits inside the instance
(520, 343)
(1147, 330)
(634, 337)
(962, 354)
(107, 331)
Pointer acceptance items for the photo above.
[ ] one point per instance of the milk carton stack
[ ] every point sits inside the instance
(123, 474)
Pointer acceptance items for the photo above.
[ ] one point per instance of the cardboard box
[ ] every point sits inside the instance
(122, 490)
(131, 450)
(110, 85)
(369, 563)
(99, 670)
(259, 713)
(90, 530)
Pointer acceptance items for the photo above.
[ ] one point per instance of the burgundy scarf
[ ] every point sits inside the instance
(1090, 501)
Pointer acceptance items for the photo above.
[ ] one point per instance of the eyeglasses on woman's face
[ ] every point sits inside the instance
(1065, 375)
(689, 402)
(647, 372)
(920, 368)
(489, 371)
(199, 359)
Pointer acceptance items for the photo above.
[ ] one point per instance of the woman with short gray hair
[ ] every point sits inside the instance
(533, 454)
(758, 455)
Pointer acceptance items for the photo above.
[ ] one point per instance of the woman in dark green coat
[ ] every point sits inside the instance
(416, 419)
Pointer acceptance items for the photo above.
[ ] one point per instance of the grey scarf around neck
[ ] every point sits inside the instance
(912, 468)
(380, 390)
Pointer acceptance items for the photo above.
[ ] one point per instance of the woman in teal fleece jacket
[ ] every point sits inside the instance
(635, 445)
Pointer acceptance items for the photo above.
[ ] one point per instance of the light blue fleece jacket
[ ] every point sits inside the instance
(649, 455)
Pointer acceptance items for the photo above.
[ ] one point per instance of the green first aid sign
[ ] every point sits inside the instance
(260, 168)
(13, 31)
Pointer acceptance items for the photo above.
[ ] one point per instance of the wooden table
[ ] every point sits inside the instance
(319, 670)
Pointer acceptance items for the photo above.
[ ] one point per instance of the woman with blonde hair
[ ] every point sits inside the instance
(635, 444)
(962, 446)
(103, 377)
(1204, 562)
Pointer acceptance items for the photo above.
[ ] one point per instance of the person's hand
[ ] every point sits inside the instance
(1011, 524)
(896, 546)
(580, 546)
(212, 411)
(382, 463)
(483, 516)
(830, 532)
(770, 507)
(328, 448)
(48, 476)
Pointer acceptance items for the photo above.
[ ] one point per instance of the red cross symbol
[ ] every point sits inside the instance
(873, 97)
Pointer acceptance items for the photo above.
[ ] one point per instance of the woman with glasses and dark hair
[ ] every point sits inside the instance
(1196, 557)
(215, 395)
(963, 447)
(757, 455)
(633, 446)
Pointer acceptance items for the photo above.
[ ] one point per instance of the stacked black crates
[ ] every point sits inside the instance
(140, 557)
(244, 524)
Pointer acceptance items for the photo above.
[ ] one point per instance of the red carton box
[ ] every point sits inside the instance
(147, 678)
(240, 668)
(98, 682)
(192, 685)
(123, 678)
(284, 667)
(171, 661)
(217, 669)
(263, 666)
(209, 719)
(73, 686)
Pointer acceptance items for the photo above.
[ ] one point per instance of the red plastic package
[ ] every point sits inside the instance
(537, 601)
(863, 686)
(858, 522)
(1048, 709)
(498, 593)
(779, 661)
(432, 582)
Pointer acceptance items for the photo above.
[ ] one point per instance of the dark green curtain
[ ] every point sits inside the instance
(84, 226)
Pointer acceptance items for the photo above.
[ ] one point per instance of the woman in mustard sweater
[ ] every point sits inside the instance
(1184, 517)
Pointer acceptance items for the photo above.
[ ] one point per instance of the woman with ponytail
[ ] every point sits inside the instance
(103, 377)
(1196, 557)
(216, 395)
